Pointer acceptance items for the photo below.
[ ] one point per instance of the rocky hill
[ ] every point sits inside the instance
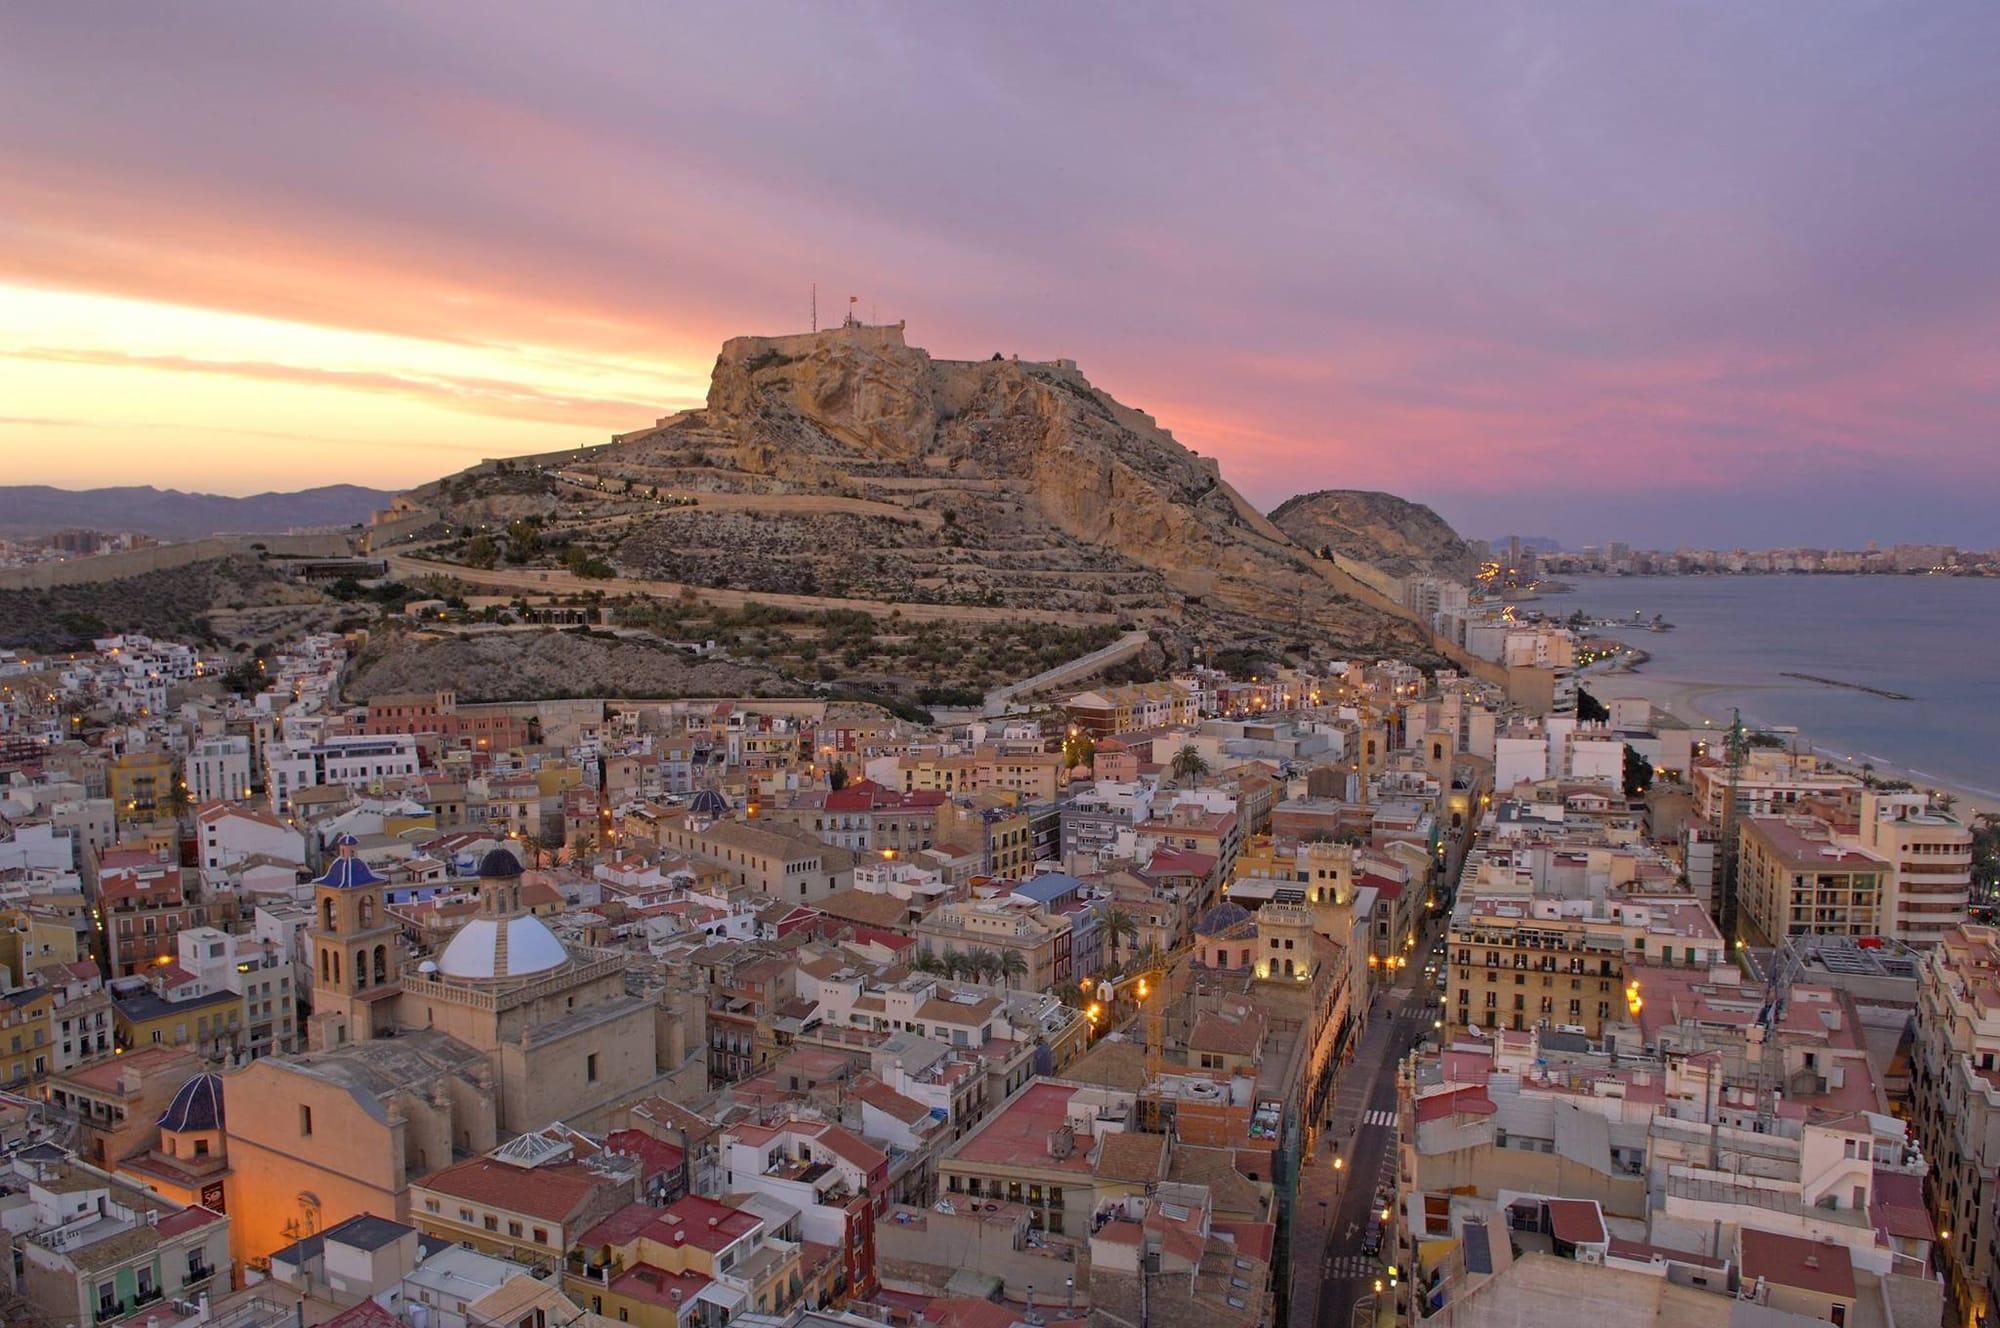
(527, 666)
(224, 601)
(1392, 535)
(851, 467)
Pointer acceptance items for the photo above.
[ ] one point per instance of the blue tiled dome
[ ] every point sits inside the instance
(708, 803)
(1220, 919)
(198, 1106)
(499, 864)
(348, 872)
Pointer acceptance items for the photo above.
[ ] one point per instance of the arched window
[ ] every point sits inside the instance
(325, 969)
(1437, 751)
(335, 956)
(326, 914)
(367, 911)
(381, 964)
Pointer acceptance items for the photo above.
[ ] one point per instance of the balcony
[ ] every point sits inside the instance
(107, 1310)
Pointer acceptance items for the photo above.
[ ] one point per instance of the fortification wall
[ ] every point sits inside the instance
(400, 526)
(137, 562)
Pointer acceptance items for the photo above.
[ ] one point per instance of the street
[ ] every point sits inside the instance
(1331, 1273)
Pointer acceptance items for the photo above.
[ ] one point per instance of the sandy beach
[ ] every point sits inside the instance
(1682, 698)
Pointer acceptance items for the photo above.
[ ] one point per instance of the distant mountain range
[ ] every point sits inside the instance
(37, 509)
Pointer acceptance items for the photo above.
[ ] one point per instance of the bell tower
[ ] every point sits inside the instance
(357, 957)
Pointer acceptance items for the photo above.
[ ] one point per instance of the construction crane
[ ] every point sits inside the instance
(1147, 987)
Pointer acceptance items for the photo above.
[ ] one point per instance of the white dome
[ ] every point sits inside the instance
(487, 948)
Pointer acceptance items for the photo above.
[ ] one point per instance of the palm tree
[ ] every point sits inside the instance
(1189, 765)
(927, 962)
(1012, 966)
(1117, 922)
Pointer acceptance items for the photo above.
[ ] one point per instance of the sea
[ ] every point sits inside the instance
(1933, 638)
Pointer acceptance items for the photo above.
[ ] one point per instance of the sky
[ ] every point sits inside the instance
(1713, 274)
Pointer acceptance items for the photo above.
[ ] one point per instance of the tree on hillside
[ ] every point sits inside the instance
(1590, 710)
(836, 778)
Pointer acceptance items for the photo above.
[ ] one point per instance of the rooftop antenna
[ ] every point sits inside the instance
(815, 305)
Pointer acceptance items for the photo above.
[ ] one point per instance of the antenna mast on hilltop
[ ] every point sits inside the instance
(815, 305)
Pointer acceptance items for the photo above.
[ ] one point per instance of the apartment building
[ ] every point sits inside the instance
(1150, 705)
(354, 760)
(1770, 783)
(865, 817)
(226, 835)
(1929, 853)
(1043, 940)
(778, 860)
(693, 1264)
(91, 1248)
(142, 782)
(218, 768)
(1566, 964)
(530, 1199)
(1794, 877)
(1955, 1088)
(145, 906)
(836, 1180)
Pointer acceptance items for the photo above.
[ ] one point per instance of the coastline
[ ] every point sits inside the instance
(1682, 699)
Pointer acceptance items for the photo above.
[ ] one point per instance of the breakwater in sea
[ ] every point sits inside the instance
(1932, 640)
(1882, 692)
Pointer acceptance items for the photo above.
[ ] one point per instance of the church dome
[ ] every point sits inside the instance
(499, 864)
(347, 871)
(197, 1107)
(708, 802)
(1220, 919)
(491, 948)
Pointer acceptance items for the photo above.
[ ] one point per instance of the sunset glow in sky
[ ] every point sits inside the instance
(1664, 273)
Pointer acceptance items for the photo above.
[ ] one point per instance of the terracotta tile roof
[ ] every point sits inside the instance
(891, 1103)
(1130, 1155)
(1809, 1265)
(691, 1220)
(1459, 1102)
(187, 1219)
(367, 1314)
(1576, 1221)
(1230, 1037)
(554, 1193)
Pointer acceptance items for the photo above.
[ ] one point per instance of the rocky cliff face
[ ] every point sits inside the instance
(857, 464)
(1379, 530)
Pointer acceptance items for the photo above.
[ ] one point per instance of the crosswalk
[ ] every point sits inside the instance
(1352, 1266)
(1379, 1118)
